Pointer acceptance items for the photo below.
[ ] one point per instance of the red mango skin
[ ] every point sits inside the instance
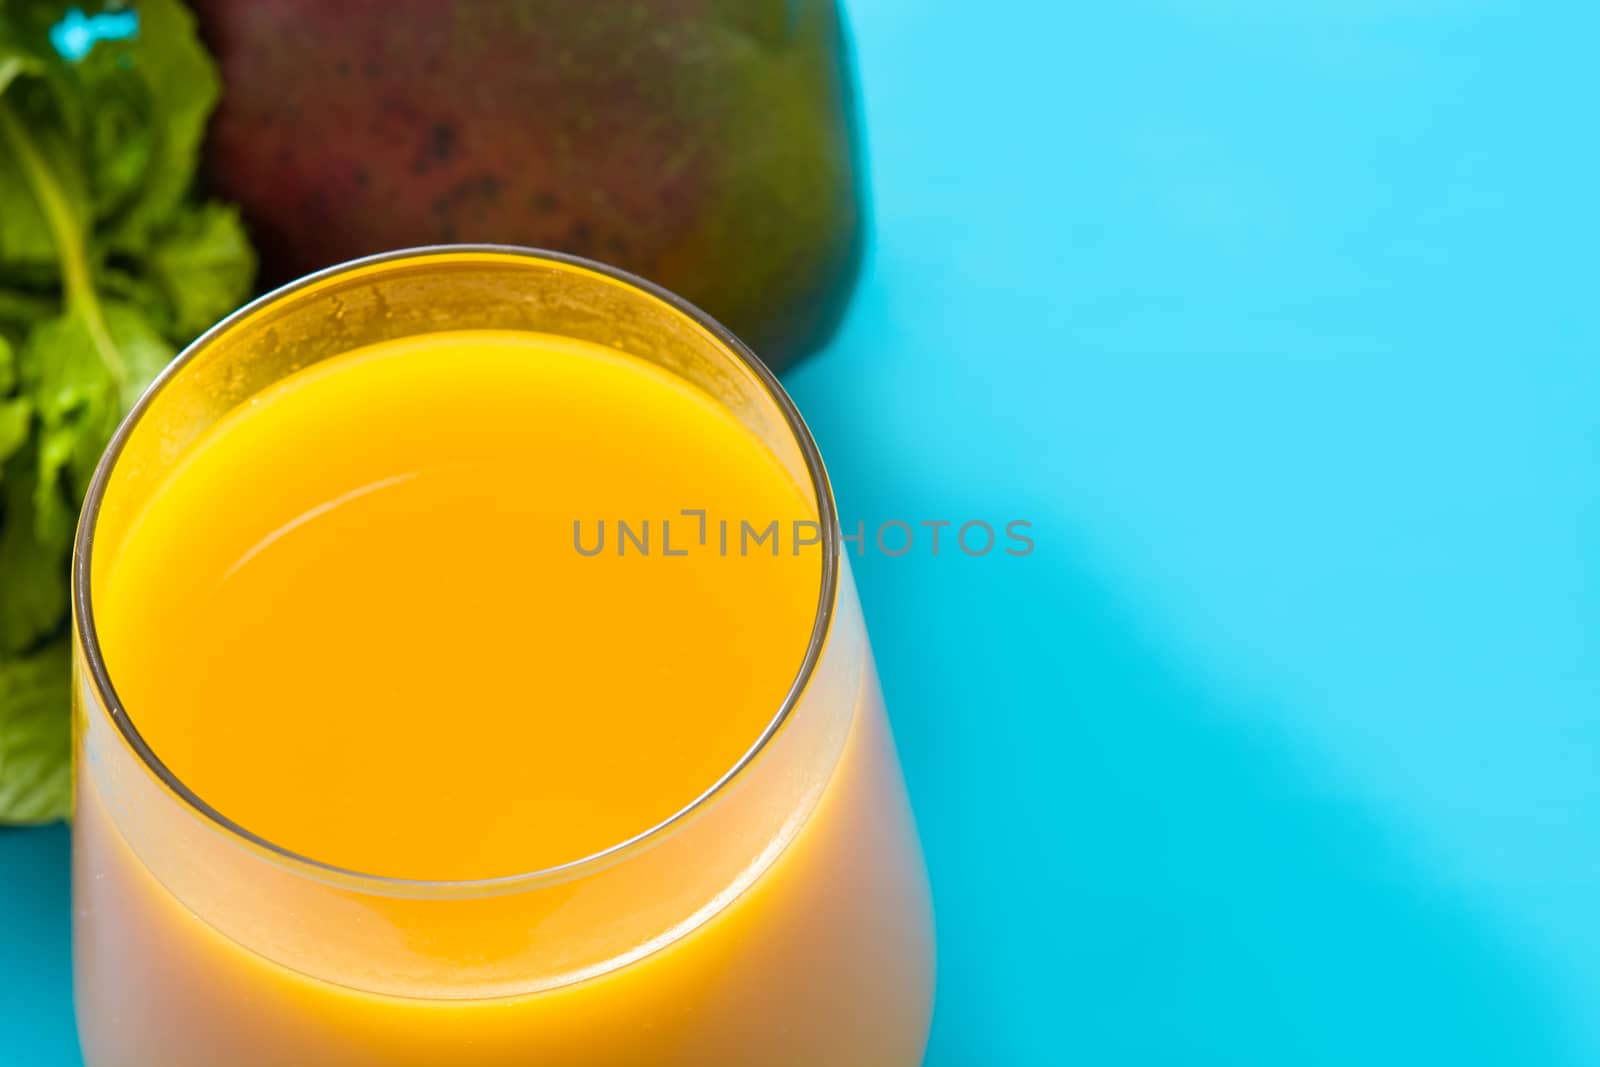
(707, 145)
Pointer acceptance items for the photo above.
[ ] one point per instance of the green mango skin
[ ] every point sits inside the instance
(708, 145)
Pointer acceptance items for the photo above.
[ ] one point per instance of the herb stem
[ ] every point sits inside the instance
(70, 241)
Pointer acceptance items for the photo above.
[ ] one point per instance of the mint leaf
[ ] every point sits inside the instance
(76, 399)
(33, 141)
(132, 112)
(24, 235)
(145, 354)
(35, 737)
(204, 266)
(180, 88)
(107, 266)
(16, 414)
(17, 310)
(80, 395)
(16, 420)
(33, 574)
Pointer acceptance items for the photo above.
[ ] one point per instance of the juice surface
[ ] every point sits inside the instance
(355, 622)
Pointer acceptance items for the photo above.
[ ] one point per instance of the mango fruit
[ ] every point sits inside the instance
(708, 145)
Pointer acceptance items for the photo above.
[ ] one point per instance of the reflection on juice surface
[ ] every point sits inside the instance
(349, 626)
(354, 620)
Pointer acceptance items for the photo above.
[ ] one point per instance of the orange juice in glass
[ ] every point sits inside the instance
(468, 673)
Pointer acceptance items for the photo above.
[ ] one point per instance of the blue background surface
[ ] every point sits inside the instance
(1279, 321)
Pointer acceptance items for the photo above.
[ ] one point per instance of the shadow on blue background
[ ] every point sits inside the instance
(1278, 320)
(1129, 868)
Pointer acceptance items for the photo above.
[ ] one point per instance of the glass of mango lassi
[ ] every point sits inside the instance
(468, 673)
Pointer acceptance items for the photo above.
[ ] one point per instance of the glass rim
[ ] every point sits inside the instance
(100, 677)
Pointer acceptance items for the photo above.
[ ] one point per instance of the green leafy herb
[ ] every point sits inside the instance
(35, 735)
(108, 264)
